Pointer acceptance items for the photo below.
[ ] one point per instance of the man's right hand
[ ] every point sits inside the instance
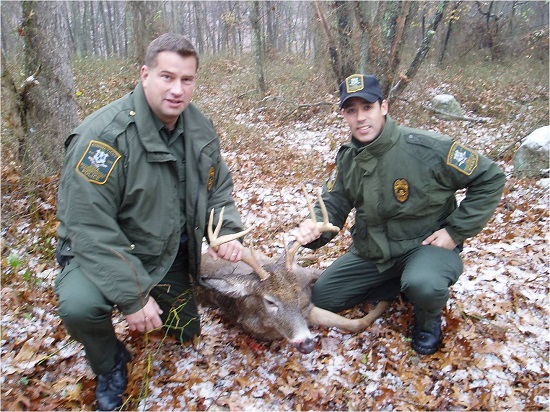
(307, 232)
(147, 318)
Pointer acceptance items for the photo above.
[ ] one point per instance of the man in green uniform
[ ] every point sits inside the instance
(139, 180)
(408, 228)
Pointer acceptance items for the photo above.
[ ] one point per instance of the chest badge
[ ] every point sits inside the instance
(211, 175)
(401, 190)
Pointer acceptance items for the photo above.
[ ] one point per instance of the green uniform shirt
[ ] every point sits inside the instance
(402, 187)
(119, 205)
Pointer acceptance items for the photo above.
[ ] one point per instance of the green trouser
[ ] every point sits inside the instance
(86, 313)
(424, 275)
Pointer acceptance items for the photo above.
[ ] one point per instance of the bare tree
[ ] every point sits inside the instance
(420, 54)
(453, 17)
(49, 108)
(258, 45)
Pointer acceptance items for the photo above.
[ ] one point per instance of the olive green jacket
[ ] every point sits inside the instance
(118, 201)
(402, 186)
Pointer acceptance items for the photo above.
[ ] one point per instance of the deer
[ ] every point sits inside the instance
(270, 298)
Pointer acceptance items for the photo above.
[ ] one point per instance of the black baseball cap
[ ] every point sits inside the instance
(364, 86)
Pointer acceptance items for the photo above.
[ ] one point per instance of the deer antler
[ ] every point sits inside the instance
(325, 226)
(248, 254)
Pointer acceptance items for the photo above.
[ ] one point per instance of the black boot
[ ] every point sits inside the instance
(426, 342)
(111, 386)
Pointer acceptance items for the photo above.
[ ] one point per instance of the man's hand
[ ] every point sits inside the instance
(232, 251)
(307, 232)
(147, 318)
(441, 238)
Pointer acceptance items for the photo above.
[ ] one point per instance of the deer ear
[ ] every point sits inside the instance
(306, 276)
(234, 287)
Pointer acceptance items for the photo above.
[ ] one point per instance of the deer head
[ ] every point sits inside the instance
(269, 298)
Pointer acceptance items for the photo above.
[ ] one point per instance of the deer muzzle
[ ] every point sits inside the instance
(305, 346)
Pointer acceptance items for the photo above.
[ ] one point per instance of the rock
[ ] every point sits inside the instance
(446, 103)
(532, 157)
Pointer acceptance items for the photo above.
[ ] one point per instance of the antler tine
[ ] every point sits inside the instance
(250, 260)
(326, 226)
(248, 254)
(216, 241)
(290, 253)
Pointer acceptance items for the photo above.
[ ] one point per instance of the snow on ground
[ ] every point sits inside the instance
(495, 353)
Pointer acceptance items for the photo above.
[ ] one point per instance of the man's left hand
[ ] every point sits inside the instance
(232, 251)
(441, 238)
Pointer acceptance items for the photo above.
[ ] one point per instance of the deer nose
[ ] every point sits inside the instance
(305, 346)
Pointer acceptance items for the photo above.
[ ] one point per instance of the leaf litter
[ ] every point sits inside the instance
(496, 336)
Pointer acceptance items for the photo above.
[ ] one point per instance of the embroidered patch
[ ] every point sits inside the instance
(98, 162)
(332, 179)
(211, 175)
(462, 159)
(401, 190)
(354, 83)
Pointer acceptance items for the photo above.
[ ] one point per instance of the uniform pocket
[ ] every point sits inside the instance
(72, 265)
(146, 247)
(406, 229)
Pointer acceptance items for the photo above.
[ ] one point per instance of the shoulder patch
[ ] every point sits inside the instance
(98, 162)
(332, 179)
(462, 159)
(211, 176)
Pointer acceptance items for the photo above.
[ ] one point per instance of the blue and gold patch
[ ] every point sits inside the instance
(354, 83)
(462, 159)
(98, 162)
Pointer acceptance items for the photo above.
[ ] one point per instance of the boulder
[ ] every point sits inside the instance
(532, 157)
(446, 103)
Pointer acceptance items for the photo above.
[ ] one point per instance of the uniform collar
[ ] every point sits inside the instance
(148, 125)
(383, 142)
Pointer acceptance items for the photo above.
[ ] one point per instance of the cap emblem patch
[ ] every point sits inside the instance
(401, 190)
(98, 162)
(354, 83)
(462, 159)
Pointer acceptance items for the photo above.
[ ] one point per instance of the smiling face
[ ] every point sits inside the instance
(366, 120)
(169, 85)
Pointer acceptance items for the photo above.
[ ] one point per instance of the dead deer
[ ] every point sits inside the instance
(271, 298)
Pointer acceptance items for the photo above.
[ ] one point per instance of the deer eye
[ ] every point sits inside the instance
(270, 303)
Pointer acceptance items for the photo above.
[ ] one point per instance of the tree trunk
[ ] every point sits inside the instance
(198, 24)
(258, 45)
(452, 18)
(332, 49)
(50, 107)
(346, 53)
(396, 47)
(140, 32)
(420, 54)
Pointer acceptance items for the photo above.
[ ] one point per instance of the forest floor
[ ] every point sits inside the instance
(495, 353)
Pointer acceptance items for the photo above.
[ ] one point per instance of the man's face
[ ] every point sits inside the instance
(169, 85)
(366, 120)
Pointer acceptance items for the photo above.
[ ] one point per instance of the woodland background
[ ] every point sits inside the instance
(268, 78)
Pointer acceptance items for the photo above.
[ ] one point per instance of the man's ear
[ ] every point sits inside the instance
(384, 107)
(144, 73)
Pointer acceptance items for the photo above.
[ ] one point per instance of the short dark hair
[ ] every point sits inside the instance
(380, 100)
(172, 42)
